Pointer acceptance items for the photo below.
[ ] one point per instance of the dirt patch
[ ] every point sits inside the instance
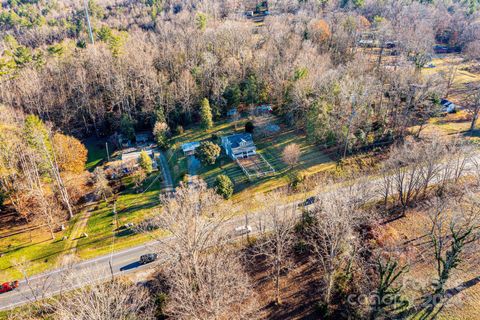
(299, 290)
(409, 237)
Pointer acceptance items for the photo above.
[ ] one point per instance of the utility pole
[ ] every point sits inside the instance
(350, 120)
(110, 262)
(108, 154)
(246, 227)
(85, 3)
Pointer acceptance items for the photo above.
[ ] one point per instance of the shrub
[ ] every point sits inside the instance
(224, 186)
(160, 131)
(207, 152)
(160, 303)
(206, 114)
(179, 130)
(249, 127)
(145, 161)
(297, 179)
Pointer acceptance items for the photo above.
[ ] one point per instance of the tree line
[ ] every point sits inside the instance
(41, 170)
(306, 60)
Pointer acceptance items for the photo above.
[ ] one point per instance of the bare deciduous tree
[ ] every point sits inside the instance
(204, 276)
(101, 186)
(113, 299)
(453, 229)
(277, 226)
(332, 235)
(291, 154)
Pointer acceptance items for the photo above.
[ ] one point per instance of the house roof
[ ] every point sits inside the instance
(190, 146)
(264, 107)
(236, 139)
(142, 136)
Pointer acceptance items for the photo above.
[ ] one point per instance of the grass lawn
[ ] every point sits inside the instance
(37, 247)
(96, 152)
(131, 206)
(312, 160)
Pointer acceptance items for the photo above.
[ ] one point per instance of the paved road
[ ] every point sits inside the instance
(52, 282)
(167, 177)
(123, 262)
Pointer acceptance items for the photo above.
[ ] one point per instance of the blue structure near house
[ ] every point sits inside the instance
(232, 112)
(239, 145)
(189, 147)
(264, 108)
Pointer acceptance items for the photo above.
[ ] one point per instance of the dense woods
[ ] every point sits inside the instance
(41, 170)
(345, 75)
(159, 59)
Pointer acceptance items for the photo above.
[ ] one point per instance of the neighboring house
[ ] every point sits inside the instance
(134, 155)
(189, 147)
(123, 141)
(264, 108)
(232, 112)
(142, 137)
(239, 145)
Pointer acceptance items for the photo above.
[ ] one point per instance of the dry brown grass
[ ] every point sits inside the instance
(409, 235)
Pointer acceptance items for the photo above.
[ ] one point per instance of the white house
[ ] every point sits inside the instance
(239, 145)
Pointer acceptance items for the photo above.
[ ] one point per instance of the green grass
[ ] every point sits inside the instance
(96, 152)
(41, 250)
(178, 162)
(312, 160)
(131, 206)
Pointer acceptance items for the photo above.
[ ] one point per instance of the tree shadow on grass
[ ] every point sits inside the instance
(15, 249)
(141, 206)
(474, 133)
(425, 309)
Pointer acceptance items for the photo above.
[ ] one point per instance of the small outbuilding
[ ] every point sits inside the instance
(232, 112)
(264, 108)
(189, 147)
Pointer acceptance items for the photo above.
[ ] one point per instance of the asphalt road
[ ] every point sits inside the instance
(51, 283)
(121, 262)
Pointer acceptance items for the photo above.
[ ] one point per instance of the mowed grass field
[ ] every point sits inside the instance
(311, 161)
(132, 206)
(97, 152)
(35, 246)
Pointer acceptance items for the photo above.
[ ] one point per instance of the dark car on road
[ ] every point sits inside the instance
(307, 202)
(148, 258)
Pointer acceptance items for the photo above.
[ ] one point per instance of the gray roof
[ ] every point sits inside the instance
(235, 139)
(190, 146)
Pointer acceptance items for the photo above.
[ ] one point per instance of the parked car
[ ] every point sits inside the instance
(243, 230)
(148, 258)
(448, 106)
(8, 286)
(307, 202)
